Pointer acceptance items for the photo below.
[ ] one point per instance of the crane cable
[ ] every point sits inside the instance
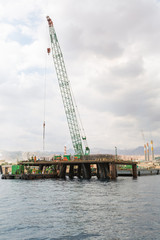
(44, 104)
(80, 121)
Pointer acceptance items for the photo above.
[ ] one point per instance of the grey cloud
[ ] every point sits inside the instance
(105, 48)
(110, 28)
(129, 69)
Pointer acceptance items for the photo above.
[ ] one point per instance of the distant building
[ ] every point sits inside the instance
(2, 161)
(6, 169)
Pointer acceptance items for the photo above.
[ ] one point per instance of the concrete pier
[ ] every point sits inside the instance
(79, 171)
(103, 171)
(113, 171)
(86, 173)
(62, 171)
(134, 170)
(105, 168)
(71, 171)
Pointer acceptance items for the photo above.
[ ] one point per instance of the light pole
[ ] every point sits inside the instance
(115, 153)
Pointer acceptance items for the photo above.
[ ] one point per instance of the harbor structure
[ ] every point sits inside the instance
(147, 151)
(104, 168)
(152, 150)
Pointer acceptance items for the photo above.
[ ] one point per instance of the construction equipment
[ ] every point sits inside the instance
(68, 101)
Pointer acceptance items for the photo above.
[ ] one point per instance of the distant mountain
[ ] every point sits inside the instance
(136, 151)
(14, 156)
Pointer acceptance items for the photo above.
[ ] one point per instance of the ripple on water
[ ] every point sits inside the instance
(53, 209)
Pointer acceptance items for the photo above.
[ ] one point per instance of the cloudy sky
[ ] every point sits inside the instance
(112, 55)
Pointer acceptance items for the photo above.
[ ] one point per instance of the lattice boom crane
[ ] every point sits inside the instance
(68, 100)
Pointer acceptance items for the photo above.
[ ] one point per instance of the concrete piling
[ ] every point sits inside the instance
(134, 170)
(86, 171)
(113, 171)
(62, 171)
(71, 172)
(79, 171)
(102, 171)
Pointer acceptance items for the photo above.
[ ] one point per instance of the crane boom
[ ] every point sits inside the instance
(66, 94)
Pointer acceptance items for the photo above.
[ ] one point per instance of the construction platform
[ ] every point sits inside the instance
(84, 169)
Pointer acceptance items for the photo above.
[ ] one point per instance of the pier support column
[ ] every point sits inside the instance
(102, 171)
(79, 171)
(113, 171)
(62, 172)
(98, 175)
(41, 168)
(134, 170)
(71, 171)
(86, 170)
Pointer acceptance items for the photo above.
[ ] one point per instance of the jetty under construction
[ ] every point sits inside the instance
(103, 168)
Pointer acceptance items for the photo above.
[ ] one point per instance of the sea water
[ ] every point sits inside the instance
(80, 209)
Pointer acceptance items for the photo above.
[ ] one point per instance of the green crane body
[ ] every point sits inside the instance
(67, 98)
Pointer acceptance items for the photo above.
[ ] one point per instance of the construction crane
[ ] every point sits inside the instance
(78, 139)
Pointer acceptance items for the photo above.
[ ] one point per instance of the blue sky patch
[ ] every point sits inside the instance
(21, 38)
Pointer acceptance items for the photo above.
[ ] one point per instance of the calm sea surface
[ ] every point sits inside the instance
(57, 209)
